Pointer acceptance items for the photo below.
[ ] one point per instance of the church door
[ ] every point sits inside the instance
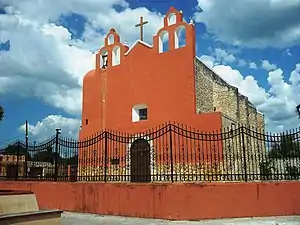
(140, 161)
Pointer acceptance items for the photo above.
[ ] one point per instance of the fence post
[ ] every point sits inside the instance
(18, 155)
(27, 155)
(105, 156)
(244, 153)
(171, 153)
(56, 155)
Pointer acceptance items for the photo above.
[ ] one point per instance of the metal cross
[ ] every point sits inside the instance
(141, 24)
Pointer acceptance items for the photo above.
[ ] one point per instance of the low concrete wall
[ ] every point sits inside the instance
(18, 203)
(178, 201)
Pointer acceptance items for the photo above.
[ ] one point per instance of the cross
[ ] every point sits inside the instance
(141, 24)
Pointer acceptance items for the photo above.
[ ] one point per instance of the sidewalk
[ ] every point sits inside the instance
(91, 219)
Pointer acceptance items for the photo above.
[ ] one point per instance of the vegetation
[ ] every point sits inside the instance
(16, 150)
(47, 155)
(287, 149)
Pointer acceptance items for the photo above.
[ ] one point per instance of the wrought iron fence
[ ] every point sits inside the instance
(168, 153)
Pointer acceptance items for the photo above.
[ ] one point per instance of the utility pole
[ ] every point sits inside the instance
(56, 154)
(26, 134)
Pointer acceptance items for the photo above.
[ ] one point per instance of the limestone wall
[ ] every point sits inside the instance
(236, 110)
(215, 94)
(204, 88)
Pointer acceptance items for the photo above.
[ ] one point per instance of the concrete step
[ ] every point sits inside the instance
(12, 201)
(40, 217)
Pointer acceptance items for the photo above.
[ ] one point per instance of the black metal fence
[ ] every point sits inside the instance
(168, 153)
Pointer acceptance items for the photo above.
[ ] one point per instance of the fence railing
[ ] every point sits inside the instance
(168, 153)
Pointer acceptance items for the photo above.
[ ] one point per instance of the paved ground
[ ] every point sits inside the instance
(90, 219)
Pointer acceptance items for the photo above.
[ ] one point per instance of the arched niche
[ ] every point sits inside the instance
(116, 56)
(172, 19)
(103, 59)
(163, 41)
(111, 39)
(180, 37)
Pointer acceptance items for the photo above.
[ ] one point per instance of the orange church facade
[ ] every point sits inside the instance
(138, 88)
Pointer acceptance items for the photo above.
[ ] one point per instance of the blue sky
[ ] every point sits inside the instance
(46, 47)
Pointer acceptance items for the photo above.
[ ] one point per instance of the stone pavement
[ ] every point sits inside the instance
(91, 219)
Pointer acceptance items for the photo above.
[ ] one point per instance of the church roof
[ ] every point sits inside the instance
(135, 44)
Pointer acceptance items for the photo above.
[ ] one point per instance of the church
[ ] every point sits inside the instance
(137, 88)
(142, 86)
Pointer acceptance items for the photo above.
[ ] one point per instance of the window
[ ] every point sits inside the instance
(143, 114)
(86, 121)
(139, 112)
(163, 41)
(111, 39)
(180, 37)
(172, 19)
(104, 59)
(116, 56)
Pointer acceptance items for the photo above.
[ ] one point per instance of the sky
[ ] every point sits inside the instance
(46, 47)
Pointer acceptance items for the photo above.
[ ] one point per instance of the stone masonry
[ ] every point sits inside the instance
(215, 94)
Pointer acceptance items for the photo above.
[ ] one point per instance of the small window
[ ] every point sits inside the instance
(86, 121)
(143, 114)
(139, 112)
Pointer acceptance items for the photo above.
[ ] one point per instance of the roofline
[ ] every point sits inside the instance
(135, 43)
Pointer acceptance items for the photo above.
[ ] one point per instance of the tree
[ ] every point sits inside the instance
(287, 147)
(1, 113)
(16, 150)
(46, 155)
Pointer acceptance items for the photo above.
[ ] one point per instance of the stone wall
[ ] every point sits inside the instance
(215, 94)
(204, 89)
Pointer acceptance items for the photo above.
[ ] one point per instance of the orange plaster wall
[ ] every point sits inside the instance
(168, 201)
(163, 81)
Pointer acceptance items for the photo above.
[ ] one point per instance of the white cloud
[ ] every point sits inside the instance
(288, 52)
(41, 64)
(208, 60)
(45, 128)
(255, 23)
(265, 64)
(44, 62)
(223, 56)
(242, 62)
(252, 65)
(278, 103)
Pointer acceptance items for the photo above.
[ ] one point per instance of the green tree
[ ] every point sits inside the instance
(16, 150)
(46, 155)
(287, 147)
(1, 113)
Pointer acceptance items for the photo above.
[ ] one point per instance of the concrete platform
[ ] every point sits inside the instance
(21, 207)
(69, 218)
(14, 201)
(41, 217)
